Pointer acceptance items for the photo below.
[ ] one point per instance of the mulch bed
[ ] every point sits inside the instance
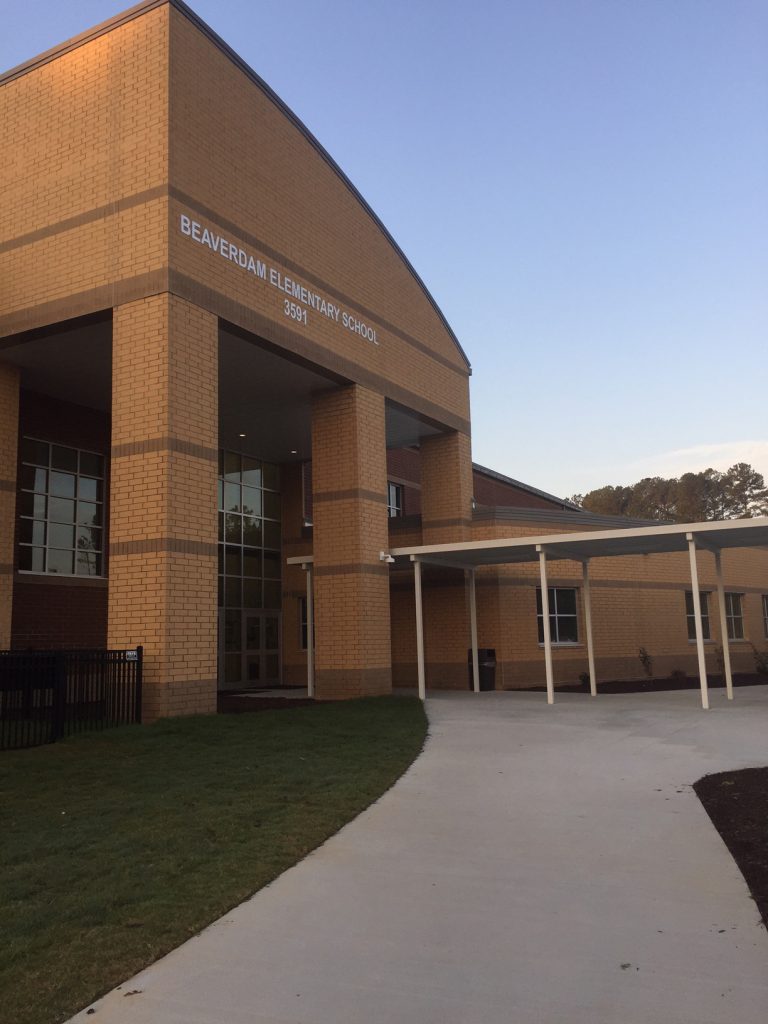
(737, 803)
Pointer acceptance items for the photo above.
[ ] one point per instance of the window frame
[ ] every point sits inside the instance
(304, 624)
(395, 500)
(690, 617)
(99, 502)
(732, 617)
(765, 615)
(556, 615)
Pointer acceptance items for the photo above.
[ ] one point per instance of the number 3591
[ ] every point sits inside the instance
(294, 311)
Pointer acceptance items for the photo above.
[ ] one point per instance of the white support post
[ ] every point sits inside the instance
(724, 626)
(697, 621)
(419, 631)
(588, 626)
(310, 632)
(473, 631)
(545, 617)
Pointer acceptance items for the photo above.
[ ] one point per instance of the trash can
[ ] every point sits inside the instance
(486, 661)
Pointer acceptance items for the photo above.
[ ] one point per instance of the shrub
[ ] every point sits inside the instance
(646, 661)
(761, 661)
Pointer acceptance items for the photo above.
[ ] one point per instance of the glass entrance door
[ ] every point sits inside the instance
(261, 649)
(250, 652)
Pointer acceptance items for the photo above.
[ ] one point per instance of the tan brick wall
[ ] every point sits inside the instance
(9, 432)
(245, 171)
(353, 655)
(84, 217)
(294, 577)
(446, 488)
(163, 526)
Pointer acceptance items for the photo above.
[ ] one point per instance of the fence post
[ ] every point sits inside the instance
(59, 695)
(139, 679)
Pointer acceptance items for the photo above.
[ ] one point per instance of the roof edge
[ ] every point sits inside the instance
(148, 5)
(494, 475)
(517, 513)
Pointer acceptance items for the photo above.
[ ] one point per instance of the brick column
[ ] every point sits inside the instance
(349, 482)
(294, 577)
(163, 526)
(9, 433)
(446, 488)
(446, 517)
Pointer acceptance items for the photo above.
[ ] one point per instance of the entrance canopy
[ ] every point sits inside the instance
(581, 547)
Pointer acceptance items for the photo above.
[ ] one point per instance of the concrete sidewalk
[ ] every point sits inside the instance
(536, 865)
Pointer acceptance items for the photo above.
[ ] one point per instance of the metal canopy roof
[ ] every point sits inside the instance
(738, 533)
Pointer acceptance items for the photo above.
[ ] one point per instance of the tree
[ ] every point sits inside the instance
(745, 492)
(740, 493)
(608, 501)
(700, 496)
(653, 497)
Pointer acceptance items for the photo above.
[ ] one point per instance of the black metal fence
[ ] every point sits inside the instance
(45, 695)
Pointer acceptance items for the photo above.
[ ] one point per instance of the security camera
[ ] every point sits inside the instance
(384, 557)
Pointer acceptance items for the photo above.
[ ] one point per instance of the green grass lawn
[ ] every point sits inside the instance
(115, 847)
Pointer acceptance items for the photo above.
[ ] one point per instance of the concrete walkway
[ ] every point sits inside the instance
(536, 865)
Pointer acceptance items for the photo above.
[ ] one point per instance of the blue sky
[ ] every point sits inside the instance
(583, 186)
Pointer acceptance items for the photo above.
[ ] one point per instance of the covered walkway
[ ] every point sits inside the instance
(583, 547)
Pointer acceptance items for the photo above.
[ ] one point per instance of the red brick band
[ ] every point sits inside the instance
(439, 524)
(256, 243)
(163, 545)
(164, 280)
(162, 191)
(6, 570)
(254, 323)
(161, 444)
(52, 580)
(353, 493)
(87, 217)
(353, 568)
(81, 303)
(7, 485)
(346, 678)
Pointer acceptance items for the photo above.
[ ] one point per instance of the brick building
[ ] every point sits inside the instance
(195, 301)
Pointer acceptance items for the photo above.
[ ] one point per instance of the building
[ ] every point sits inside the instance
(195, 300)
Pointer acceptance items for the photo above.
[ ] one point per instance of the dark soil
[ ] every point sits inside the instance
(657, 685)
(737, 803)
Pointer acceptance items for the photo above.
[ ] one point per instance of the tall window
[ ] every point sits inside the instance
(394, 500)
(563, 615)
(61, 504)
(765, 615)
(249, 565)
(691, 618)
(734, 616)
(303, 630)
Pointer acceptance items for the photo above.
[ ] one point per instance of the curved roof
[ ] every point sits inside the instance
(179, 5)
